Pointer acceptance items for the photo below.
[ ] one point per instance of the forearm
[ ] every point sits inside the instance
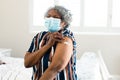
(54, 68)
(32, 58)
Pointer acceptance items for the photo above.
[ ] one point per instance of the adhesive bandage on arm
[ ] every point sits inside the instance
(67, 43)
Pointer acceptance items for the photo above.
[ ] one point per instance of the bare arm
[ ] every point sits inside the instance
(60, 60)
(31, 59)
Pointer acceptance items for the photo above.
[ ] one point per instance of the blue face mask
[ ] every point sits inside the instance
(52, 24)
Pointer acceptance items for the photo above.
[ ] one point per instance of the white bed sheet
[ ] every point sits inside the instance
(14, 69)
(87, 68)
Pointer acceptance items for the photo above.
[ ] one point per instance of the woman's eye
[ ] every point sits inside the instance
(48, 16)
(56, 17)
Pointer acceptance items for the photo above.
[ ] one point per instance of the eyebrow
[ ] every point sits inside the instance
(55, 16)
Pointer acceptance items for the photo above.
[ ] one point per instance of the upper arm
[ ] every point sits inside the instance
(63, 53)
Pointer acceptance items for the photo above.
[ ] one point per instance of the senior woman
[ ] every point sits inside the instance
(52, 53)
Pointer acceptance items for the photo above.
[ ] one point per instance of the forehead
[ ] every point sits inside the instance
(53, 12)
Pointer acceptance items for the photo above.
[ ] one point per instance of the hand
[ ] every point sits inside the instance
(53, 38)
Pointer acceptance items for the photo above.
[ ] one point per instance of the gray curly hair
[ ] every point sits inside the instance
(66, 16)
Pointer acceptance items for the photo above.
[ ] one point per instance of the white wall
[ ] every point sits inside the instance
(109, 46)
(14, 34)
(14, 29)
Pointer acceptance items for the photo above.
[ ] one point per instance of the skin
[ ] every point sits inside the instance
(61, 56)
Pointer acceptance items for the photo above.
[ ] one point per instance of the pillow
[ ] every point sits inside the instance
(88, 67)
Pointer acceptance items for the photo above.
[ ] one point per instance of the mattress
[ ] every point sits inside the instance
(87, 68)
(14, 69)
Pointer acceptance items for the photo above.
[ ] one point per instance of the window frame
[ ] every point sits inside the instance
(80, 29)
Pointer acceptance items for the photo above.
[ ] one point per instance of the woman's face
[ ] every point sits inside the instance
(53, 13)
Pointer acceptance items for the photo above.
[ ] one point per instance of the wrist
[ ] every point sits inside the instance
(47, 46)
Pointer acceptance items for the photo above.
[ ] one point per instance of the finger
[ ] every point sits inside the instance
(58, 37)
(57, 33)
(58, 40)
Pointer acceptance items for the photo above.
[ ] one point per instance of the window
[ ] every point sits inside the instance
(88, 15)
(95, 13)
(116, 13)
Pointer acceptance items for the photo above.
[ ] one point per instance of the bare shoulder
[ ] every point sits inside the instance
(66, 43)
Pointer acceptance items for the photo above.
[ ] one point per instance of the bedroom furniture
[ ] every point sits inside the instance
(87, 68)
(14, 69)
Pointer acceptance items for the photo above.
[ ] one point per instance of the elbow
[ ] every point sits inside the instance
(26, 61)
(60, 67)
(26, 64)
(57, 67)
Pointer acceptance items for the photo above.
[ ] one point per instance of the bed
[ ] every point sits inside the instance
(88, 68)
(14, 69)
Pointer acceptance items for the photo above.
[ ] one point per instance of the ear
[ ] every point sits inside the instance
(63, 24)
